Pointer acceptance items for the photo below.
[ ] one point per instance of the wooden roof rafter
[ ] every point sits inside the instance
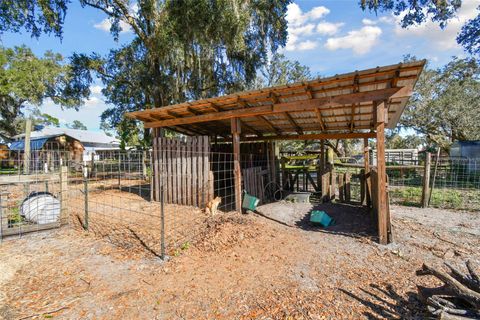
(342, 102)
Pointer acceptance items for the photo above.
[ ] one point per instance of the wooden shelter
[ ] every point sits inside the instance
(357, 105)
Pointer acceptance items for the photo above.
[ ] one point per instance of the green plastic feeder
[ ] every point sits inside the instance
(321, 218)
(249, 202)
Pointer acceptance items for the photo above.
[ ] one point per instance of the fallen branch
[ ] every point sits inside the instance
(473, 273)
(458, 288)
(458, 298)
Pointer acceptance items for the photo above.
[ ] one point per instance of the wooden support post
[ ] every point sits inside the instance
(321, 166)
(426, 180)
(381, 175)
(341, 187)
(85, 193)
(236, 130)
(348, 196)
(333, 180)
(326, 186)
(367, 180)
(63, 195)
(284, 172)
(362, 186)
(273, 175)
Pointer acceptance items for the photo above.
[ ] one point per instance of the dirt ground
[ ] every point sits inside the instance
(238, 267)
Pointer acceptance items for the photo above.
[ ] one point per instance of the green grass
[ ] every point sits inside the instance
(8, 171)
(441, 198)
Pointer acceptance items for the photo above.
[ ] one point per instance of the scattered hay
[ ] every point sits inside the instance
(225, 231)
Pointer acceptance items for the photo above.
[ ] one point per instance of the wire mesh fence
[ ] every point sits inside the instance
(160, 202)
(158, 207)
(32, 188)
(454, 183)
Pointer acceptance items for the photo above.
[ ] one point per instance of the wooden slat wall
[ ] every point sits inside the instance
(253, 181)
(184, 167)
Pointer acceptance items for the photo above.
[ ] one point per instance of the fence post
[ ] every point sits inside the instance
(362, 186)
(119, 170)
(63, 194)
(144, 165)
(151, 177)
(426, 180)
(1, 217)
(347, 187)
(162, 219)
(85, 191)
(341, 187)
(434, 176)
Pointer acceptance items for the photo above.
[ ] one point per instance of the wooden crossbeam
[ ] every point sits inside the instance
(395, 79)
(296, 106)
(352, 119)
(308, 91)
(314, 84)
(293, 123)
(249, 128)
(314, 136)
(269, 124)
(355, 89)
(193, 111)
(320, 119)
(275, 100)
(173, 114)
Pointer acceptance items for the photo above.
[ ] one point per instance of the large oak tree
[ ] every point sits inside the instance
(27, 80)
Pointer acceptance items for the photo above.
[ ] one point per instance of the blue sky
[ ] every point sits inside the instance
(330, 36)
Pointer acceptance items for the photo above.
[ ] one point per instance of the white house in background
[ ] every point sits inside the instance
(94, 142)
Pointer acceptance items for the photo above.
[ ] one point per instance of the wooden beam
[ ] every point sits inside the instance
(236, 131)
(193, 111)
(296, 106)
(366, 166)
(314, 136)
(293, 123)
(249, 128)
(382, 207)
(352, 119)
(320, 119)
(269, 124)
(319, 83)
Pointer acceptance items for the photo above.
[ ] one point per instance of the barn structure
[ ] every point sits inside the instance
(357, 105)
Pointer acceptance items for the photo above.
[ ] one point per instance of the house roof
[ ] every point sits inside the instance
(339, 104)
(84, 136)
(35, 143)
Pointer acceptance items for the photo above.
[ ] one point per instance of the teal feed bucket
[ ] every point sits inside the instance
(249, 202)
(321, 218)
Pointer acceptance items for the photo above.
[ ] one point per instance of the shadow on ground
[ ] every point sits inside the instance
(386, 303)
(350, 220)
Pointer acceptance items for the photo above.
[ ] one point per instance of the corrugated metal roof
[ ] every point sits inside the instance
(35, 144)
(83, 136)
(342, 103)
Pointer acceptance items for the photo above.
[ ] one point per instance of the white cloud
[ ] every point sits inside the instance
(329, 28)
(317, 13)
(302, 27)
(295, 16)
(307, 45)
(106, 23)
(369, 22)
(430, 31)
(360, 41)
